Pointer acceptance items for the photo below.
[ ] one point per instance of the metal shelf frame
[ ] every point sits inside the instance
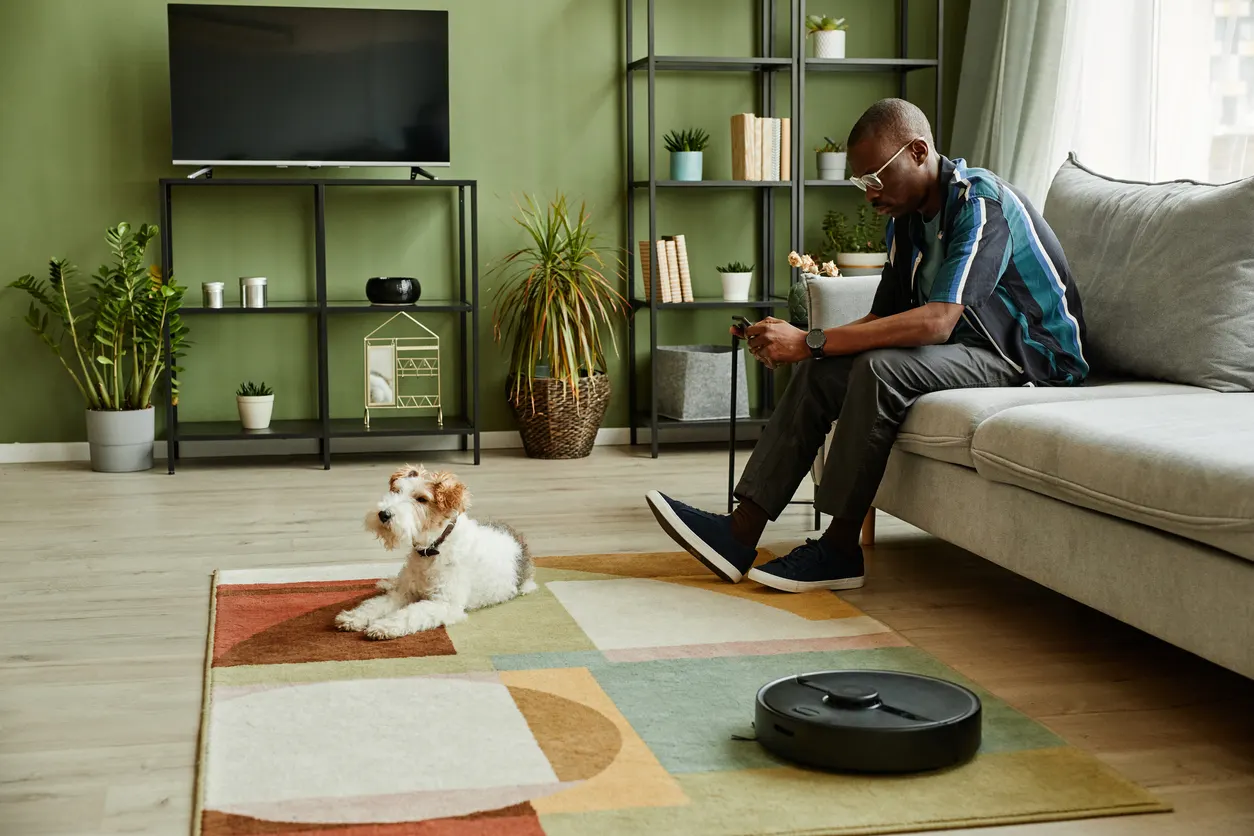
(766, 65)
(324, 428)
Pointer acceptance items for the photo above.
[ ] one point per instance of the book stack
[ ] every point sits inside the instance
(672, 280)
(761, 147)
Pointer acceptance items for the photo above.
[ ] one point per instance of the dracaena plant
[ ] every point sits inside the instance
(108, 333)
(556, 302)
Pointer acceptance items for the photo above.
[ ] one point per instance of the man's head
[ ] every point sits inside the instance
(891, 145)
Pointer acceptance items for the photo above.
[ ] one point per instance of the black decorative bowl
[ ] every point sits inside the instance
(393, 290)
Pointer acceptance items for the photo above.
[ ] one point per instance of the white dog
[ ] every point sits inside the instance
(455, 564)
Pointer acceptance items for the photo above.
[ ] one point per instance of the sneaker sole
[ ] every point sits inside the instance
(785, 585)
(684, 536)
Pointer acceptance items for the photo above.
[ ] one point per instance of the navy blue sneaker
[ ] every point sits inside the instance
(812, 565)
(707, 537)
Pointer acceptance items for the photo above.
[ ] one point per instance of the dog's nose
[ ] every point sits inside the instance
(384, 516)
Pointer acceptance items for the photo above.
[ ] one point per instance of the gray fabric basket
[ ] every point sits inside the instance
(694, 382)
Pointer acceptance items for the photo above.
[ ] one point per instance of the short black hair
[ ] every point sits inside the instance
(898, 118)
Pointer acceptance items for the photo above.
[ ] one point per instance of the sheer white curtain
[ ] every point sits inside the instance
(1143, 88)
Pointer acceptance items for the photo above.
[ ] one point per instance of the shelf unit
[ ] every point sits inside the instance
(767, 65)
(324, 428)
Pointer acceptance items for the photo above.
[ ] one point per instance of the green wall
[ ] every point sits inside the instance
(537, 108)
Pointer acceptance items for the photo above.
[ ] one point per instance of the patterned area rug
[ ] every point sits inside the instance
(608, 702)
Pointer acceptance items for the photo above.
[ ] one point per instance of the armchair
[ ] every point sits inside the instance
(832, 301)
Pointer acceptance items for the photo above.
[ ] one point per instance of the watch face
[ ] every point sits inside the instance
(815, 339)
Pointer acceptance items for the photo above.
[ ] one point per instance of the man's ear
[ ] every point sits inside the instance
(919, 151)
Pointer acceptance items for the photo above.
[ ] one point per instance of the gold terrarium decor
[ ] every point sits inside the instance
(403, 367)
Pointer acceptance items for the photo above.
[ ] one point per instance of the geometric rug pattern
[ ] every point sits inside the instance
(616, 699)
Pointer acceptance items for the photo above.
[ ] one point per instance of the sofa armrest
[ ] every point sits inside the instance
(838, 300)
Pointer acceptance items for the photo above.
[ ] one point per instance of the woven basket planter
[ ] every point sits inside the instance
(553, 426)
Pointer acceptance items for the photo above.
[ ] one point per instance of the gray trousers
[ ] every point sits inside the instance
(867, 395)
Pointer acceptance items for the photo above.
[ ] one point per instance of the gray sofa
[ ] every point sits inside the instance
(1133, 493)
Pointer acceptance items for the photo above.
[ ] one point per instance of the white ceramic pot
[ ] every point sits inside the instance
(254, 410)
(736, 286)
(829, 44)
(832, 165)
(860, 264)
(121, 441)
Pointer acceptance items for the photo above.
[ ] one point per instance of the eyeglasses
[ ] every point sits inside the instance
(872, 180)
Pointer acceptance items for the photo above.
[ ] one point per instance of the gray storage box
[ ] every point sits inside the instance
(694, 382)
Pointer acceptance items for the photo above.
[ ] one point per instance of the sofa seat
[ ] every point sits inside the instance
(1183, 465)
(940, 425)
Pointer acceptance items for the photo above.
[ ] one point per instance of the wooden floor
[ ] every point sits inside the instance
(104, 585)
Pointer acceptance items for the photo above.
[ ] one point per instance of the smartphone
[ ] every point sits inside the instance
(742, 324)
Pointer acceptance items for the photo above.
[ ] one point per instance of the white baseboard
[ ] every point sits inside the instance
(76, 451)
(54, 451)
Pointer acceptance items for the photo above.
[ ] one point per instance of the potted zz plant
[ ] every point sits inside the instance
(829, 35)
(687, 149)
(554, 307)
(109, 337)
(831, 159)
(858, 246)
(255, 404)
(736, 278)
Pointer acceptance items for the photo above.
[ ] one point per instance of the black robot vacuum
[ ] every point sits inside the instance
(868, 721)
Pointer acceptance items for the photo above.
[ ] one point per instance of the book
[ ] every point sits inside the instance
(785, 149)
(663, 276)
(773, 144)
(685, 275)
(644, 270)
(754, 171)
(739, 146)
(672, 270)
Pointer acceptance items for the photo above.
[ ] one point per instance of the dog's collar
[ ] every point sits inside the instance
(434, 549)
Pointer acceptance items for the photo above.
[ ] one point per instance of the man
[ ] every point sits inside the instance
(976, 293)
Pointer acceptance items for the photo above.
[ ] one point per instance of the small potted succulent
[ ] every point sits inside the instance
(829, 35)
(858, 246)
(255, 403)
(831, 159)
(687, 149)
(736, 279)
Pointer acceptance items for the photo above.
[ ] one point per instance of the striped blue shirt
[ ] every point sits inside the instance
(1002, 262)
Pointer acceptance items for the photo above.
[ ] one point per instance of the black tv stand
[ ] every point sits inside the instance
(458, 303)
(415, 170)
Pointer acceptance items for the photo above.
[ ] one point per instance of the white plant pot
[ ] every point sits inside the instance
(832, 165)
(829, 44)
(860, 264)
(736, 286)
(121, 441)
(254, 410)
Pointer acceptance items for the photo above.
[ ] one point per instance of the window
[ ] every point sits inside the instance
(1159, 89)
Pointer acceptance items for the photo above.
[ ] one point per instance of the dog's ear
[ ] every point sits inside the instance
(408, 471)
(448, 494)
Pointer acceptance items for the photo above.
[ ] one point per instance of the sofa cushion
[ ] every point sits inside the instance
(1165, 273)
(1184, 465)
(940, 425)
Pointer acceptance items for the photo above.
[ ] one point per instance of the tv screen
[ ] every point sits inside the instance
(266, 85)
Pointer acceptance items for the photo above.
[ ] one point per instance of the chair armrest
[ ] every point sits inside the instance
(838, 300)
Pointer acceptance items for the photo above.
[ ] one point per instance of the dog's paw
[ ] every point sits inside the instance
(386, 584)
(386, 628)
(351, 621)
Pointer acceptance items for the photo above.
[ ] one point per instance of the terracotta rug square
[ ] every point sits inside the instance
(615, 699)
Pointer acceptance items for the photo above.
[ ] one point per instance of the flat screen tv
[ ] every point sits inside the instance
(279, 86)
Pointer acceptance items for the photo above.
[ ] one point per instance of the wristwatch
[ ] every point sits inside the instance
(815, 340)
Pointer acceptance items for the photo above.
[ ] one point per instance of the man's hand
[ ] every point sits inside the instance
(775, 342)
